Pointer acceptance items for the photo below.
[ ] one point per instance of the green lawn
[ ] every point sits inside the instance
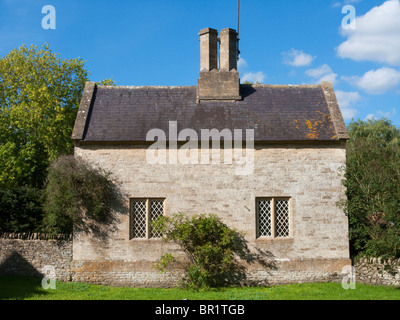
(12, 288)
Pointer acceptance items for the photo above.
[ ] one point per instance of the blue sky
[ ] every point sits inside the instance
(155, 42)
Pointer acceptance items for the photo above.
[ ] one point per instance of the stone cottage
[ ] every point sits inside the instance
(266, 158)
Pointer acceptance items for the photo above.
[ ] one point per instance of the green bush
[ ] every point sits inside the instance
(213, 250)
(76, 191)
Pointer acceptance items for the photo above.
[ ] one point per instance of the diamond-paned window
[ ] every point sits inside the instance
(156, 211)
(273, 217)
(143, 212)
(282, 221)
(264, 218)
(139, 219)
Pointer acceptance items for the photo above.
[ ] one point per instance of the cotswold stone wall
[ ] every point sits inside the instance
(25, 254)
(378, 271)
(310, 175)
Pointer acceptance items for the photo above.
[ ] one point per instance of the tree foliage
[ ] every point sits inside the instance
(250, 82)
(373, 188)
(106, 82)
(39, 97)
(20, 209)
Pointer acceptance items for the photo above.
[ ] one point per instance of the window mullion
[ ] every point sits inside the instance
(131, 219)
(273, 222)
(147, 218)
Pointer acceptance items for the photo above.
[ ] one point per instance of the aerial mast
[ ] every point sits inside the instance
(237, 43)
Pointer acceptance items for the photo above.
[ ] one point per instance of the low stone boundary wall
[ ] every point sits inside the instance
(26, 254)
(378, 271)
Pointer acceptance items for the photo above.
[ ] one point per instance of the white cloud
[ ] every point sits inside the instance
(297, 58)
(376, 36)
(378, 81)
(387, 114)
(249, 76)
(348, 113)
(242, 64)
(346, 101)
(253, 77)
(381, 114)
(341, 4)
(322, 73)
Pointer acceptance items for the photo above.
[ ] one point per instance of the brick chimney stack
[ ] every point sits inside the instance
(216, 84)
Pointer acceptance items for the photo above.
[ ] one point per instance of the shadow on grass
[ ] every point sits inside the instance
(20, 288)
(19, 279)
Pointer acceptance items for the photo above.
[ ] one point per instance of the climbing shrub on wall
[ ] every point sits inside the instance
(75, 192)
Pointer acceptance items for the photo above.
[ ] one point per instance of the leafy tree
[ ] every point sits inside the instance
(20, 210)
(107, 82)
(39, 98)
(213, 250)
(250, 82)
(373, 188)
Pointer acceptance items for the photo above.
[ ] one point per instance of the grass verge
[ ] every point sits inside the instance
(23, 288)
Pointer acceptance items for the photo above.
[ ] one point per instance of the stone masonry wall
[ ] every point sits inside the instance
(309, 175)
(26, 254)
(378, 271)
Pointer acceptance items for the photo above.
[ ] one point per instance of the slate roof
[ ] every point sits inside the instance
(275, 112)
